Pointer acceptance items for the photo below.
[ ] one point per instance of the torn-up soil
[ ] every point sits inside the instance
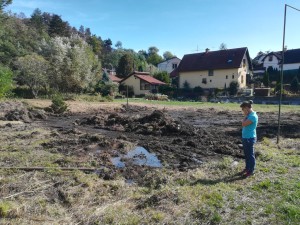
(180, 138)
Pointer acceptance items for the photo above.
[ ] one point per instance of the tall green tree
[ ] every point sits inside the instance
(16, 39)
(153, 57)
(118, 45)
(96, 44)
(33, 72)
(37, 21)
(266, 79)
(168, 55)
(58, 27)
(4, 3)
(125, 66)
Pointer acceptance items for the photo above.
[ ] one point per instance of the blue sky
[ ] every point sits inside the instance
(179, 26)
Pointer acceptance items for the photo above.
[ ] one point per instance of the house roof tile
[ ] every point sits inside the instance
(292, 56)
(149, 79)
(144, 76)
(114, 78)
(222, 59)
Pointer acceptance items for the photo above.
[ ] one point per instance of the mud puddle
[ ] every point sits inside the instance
(138, 156)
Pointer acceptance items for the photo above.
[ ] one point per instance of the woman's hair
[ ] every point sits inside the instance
(247, 104)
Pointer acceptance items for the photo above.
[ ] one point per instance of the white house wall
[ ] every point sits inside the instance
(293, 66)
(168, 65)
(273, 63)
(218, 80)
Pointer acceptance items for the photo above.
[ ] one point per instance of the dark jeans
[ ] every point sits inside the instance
(248, 146)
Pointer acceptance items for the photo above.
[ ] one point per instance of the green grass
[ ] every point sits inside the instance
(205, 105)
(210, 194)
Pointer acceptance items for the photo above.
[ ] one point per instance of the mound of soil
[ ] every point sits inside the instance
(156, 123)
(18, 111)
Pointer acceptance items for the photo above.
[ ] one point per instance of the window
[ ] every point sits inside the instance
(174, 65)
(210, 81)
(226, 76)
(242, 79)
(270, 58)
(144, 85)
(232, 76)
(210, 72)
(244, 62)
(204, 81)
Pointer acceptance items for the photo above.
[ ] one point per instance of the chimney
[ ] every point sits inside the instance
(207, 50)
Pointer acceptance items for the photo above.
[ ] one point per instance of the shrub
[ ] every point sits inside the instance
(106, 88)
(198, 90)
(233, 88)
(167, 90)
(295, 86)
(6, 81)
(58, 104)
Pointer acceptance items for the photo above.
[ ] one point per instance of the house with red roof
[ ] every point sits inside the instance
(215, 69)
(142, 82)
(114, 78)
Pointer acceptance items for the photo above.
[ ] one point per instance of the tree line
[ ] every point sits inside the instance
(46, 54)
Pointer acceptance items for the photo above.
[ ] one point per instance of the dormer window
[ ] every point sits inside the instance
(270, 58)
(174, 65)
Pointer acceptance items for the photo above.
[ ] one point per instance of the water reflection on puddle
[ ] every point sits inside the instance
(138, 156)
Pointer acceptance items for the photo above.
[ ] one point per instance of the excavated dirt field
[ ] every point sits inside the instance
(181, 138)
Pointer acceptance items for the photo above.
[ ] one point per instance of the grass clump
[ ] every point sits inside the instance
(5, 208)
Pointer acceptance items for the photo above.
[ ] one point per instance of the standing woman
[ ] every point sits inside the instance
(249, 124)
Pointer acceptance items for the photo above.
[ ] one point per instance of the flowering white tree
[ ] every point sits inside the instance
(73, 65)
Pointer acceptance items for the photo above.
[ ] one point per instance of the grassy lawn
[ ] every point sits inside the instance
(210, 194)
(205, 105)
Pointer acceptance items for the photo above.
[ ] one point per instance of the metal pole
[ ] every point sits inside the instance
(281, 75)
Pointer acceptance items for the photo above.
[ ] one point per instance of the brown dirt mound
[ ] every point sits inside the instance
(156, 123)
(18, 111)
